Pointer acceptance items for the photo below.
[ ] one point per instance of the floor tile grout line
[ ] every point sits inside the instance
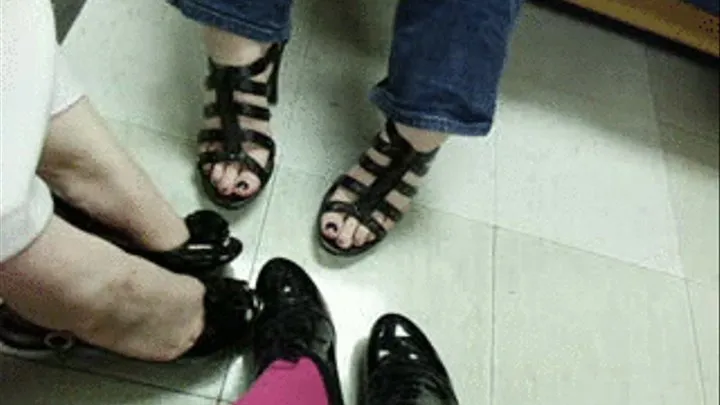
(221, 394)
(493, 315)
(62, 366)
(696, 342)
(263, 222)
(695, 134)
(271, 192)
(496, 208)
(166, 134)
(674, 214)
(523, 233)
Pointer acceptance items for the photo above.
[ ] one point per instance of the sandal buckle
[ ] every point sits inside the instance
(60, 341)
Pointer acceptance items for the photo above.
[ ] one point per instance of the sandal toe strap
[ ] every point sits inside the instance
(350, 183)
(210, 135)
(235, 108)
(375, 227)
(261, 172)
(339, 207)
(260, 139)
(342, 207)
(389, 210)
(241, 157)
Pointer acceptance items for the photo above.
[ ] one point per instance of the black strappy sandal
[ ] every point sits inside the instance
(209, 248)
(369, 199)
(225, 80)
(231, 309)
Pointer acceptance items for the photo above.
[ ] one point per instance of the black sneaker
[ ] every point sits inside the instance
(294, 323)
(230, 309)
(403, 368)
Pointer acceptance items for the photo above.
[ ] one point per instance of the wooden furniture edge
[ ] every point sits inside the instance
(671, 19)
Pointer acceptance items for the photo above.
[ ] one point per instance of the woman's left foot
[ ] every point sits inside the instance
(363, 205)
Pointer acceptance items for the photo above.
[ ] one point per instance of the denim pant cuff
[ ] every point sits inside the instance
(238, 26)
(422, 120)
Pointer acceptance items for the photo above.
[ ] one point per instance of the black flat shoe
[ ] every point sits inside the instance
(230, 310)
(209, 248)
(403, 368)
(294, 324)
(370, 201)
(225, 81)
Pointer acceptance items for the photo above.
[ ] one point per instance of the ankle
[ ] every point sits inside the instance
(225, 48)
(145, 228)
(420, 139)
(157, 233)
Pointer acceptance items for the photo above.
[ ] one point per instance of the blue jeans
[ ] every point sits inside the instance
(446, 60)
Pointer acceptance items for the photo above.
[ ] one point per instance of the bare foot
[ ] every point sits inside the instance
(103, 295)
(347, 231)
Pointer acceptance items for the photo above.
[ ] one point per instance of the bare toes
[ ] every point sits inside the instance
(347, 233)
(227, 184)
(217, 173)
(331, 224)
(361, 235)
(247, 184)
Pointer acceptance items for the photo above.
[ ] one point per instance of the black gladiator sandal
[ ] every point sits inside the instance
(370, 199)
(225, 80)
(231, 308)
(209, 248)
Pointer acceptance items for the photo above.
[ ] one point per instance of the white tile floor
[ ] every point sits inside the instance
(569, 259)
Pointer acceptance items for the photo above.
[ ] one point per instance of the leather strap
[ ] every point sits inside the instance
(403, 159)
(225, 80)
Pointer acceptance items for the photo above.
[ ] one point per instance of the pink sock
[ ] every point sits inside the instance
(286, 383)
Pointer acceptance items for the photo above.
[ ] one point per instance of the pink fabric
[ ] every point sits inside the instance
(286, 383)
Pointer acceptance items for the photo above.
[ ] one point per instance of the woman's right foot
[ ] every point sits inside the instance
(403, 368)
(294, 325)
(236, 149)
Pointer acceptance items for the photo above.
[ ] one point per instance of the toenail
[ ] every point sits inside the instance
(331, 227)
(243, 185)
